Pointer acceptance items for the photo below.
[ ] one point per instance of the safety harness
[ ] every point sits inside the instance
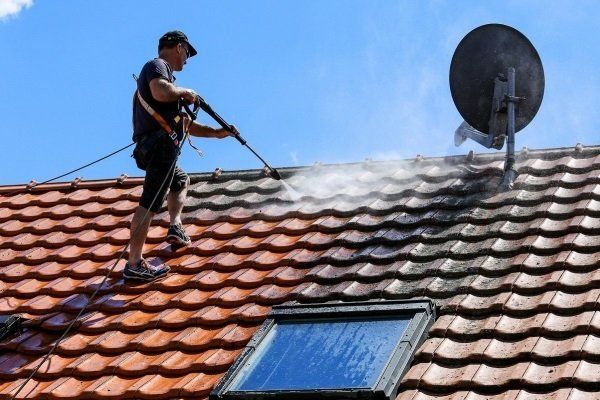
(165, 125)
(161, 121)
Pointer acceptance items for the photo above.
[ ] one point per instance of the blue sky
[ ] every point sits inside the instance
(304, 81)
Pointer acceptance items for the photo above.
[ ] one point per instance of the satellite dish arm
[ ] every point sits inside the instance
(511, 100)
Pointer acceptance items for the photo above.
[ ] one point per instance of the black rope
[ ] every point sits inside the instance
(70, 172)
(105, 277)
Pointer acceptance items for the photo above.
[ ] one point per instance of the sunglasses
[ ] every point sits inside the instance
(187, 52)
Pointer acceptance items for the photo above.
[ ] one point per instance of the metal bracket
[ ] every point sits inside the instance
(513, 99)
(9, 325)
(501, 125)
(498, 122)
(510, 173)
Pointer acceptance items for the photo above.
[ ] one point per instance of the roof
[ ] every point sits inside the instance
(515, 275)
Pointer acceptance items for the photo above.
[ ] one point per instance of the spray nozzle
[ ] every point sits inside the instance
(272, 172)
(275, 174)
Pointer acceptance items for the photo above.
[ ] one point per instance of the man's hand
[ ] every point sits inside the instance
(221, 133)
(189, 95)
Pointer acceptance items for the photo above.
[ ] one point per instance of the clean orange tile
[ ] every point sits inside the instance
(32, 389)
(177, 362)
(249, 277)
(50, 270)
(193, 299)
(239, 335)
(67, 388)
(42, 305)
(253, 313)
(232, 296)
(154, 301)
(117, 387)
(138, 364)
(246, 243)
(114, 342)
(174, 318)
(198, 338)
(214, 315)
(220, 360)
(154, 340)
(200, 385)
(92, 365)
(162, 387)
(76, 344)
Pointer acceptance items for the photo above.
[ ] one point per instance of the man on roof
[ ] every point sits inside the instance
(157, 131)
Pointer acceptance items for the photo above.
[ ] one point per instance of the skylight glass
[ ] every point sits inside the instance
(326, 354)
(329, 351)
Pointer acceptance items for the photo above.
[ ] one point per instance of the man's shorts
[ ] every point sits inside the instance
(158, 169)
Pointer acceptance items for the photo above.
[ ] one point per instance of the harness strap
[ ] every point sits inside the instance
(199, 151)
(172, 134)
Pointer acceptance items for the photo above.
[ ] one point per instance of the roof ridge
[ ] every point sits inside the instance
(251, 174)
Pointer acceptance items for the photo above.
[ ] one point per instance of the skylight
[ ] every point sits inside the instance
(310, 351)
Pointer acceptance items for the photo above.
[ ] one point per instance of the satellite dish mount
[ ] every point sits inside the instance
(502, 121)
(490, 66)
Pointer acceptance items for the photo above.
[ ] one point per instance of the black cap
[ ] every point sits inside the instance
(177, 37)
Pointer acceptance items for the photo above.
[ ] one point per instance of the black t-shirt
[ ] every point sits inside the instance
(144, 123)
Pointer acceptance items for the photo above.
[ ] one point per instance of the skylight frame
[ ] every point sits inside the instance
(421, 313)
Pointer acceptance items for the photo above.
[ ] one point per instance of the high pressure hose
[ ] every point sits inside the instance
(231, 129)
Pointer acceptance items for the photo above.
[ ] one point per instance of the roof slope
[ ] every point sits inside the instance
(516, 275)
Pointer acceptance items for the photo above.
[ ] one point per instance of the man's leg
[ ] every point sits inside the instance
(175, 202)
(140, 223)
(157, 180)
(137, 268)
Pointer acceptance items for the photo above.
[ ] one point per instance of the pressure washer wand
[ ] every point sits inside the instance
(229, 128)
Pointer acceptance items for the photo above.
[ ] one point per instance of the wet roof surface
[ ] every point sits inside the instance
(516, 275)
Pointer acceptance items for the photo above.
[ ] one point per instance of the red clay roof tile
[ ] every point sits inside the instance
(546, 348)
(488, 376)
(544, 375)
(515, 275)
(587, 374)
(567, 324)
(32, 389)
(438, 377)
(200, 385)
(591, 346)
(160, 386)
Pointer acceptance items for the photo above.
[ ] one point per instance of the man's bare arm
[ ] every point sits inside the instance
(199, 130)
(164, 91)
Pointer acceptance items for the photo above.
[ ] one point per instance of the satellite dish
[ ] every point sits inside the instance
(497, 85)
